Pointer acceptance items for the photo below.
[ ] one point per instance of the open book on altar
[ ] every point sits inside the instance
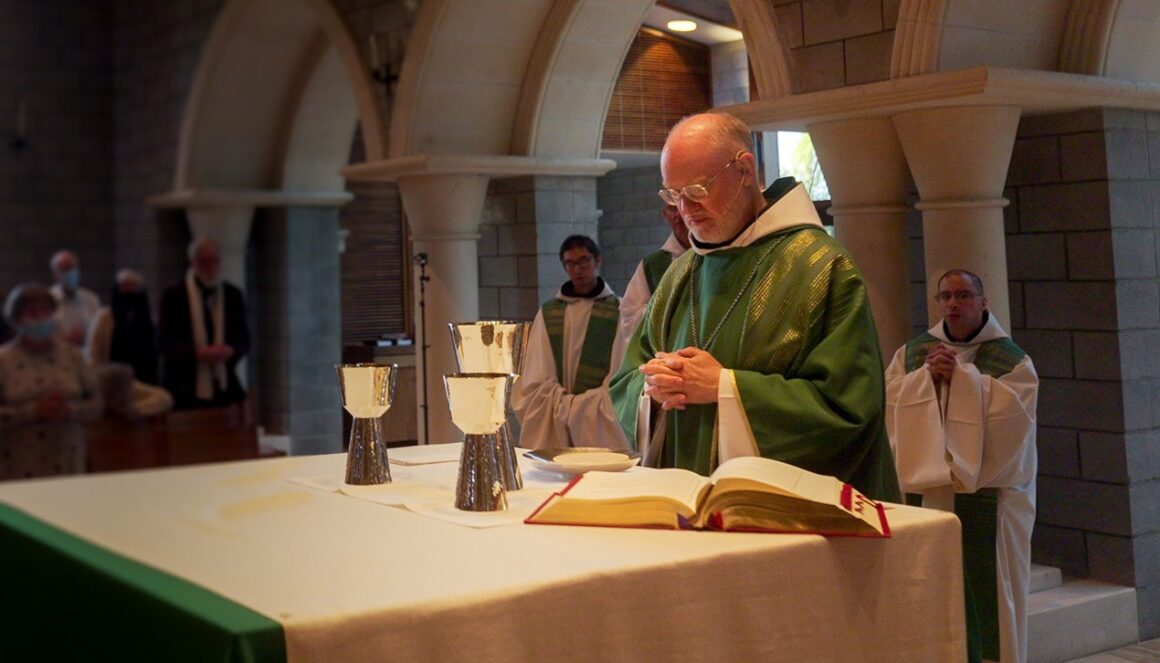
(744, 494)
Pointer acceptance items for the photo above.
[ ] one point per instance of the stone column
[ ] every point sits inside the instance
(866, 172)
(297, 326)
(443, 212)
(959, 157)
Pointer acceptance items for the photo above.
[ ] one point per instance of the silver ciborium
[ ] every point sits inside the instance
(494, 346)
(367, 390)
(478, 404)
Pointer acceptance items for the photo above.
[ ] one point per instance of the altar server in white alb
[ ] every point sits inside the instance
(960, 406)
(562, 397)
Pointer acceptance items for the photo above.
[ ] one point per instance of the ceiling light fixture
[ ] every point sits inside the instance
(682, 26)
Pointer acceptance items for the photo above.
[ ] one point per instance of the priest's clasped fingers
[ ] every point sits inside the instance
(663, 383)
(941, 363)
(687, 376)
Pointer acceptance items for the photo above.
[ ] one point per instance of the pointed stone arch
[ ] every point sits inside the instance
(510, 77)
(768, 55)
(274, 101)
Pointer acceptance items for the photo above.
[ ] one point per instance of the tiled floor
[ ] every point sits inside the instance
(1145, 652)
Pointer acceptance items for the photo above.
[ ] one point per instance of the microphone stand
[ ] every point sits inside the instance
(421, 260)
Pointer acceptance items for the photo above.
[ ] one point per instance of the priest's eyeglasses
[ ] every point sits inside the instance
(695, 192)
(957, 295)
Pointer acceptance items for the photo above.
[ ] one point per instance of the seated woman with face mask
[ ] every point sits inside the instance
(47, 392)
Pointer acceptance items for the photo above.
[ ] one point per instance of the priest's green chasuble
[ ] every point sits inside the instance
(788, 313)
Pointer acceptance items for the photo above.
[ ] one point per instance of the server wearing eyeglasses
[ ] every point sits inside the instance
(561, 398)
(960, 405)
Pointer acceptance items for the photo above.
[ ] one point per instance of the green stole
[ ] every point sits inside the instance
(596, 354)
(978, 511)
(655, 265)
(804, 313)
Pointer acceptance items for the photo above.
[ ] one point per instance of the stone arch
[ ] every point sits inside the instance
(274, 101)
(510, 78)
(1112, 38)
(1133, 43)
(942, 35)
(767, 52)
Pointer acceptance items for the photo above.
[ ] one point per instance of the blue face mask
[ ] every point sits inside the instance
(71, 279)
(38, 330)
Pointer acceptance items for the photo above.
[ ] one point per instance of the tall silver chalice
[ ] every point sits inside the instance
(478, 403)
(494, 346)
(367, 390)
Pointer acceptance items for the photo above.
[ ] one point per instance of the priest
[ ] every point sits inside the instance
(759, 339)
(960, 405)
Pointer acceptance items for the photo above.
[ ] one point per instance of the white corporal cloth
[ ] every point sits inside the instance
(353, 580)
(551, 416)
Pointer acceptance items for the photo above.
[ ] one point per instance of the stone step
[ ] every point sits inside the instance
(1080, 617)
(1045, 577)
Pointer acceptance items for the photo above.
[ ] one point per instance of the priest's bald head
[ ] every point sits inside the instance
(710, 173)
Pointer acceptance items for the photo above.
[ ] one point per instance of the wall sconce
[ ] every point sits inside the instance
(19, 143)
(385, 72)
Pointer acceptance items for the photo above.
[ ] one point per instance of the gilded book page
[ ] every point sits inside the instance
(682, 486)
(754, 473)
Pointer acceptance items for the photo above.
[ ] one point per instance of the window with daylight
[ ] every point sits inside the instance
(796, 157)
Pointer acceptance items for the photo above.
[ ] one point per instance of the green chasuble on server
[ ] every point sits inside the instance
(561, 397)
(593, 365)
(784, 310)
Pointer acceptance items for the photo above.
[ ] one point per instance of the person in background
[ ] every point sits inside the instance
(561, 397)
(960, 409)
(121, 338)
(123, 331)
(645, 279)
(47, 392)
(202, 333)
(76, 306)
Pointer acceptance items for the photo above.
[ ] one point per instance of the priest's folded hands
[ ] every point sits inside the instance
(688, 376)
(941, 363)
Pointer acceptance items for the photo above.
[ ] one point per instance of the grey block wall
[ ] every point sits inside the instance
(631, 226)
(837, 43)
(155, 50)
(525, 219)
(296, 280)
(54, 62)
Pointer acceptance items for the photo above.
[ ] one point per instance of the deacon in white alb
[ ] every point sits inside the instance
(960, 407)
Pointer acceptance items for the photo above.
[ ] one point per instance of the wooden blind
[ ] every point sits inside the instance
(375, 282)
(662, 80)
